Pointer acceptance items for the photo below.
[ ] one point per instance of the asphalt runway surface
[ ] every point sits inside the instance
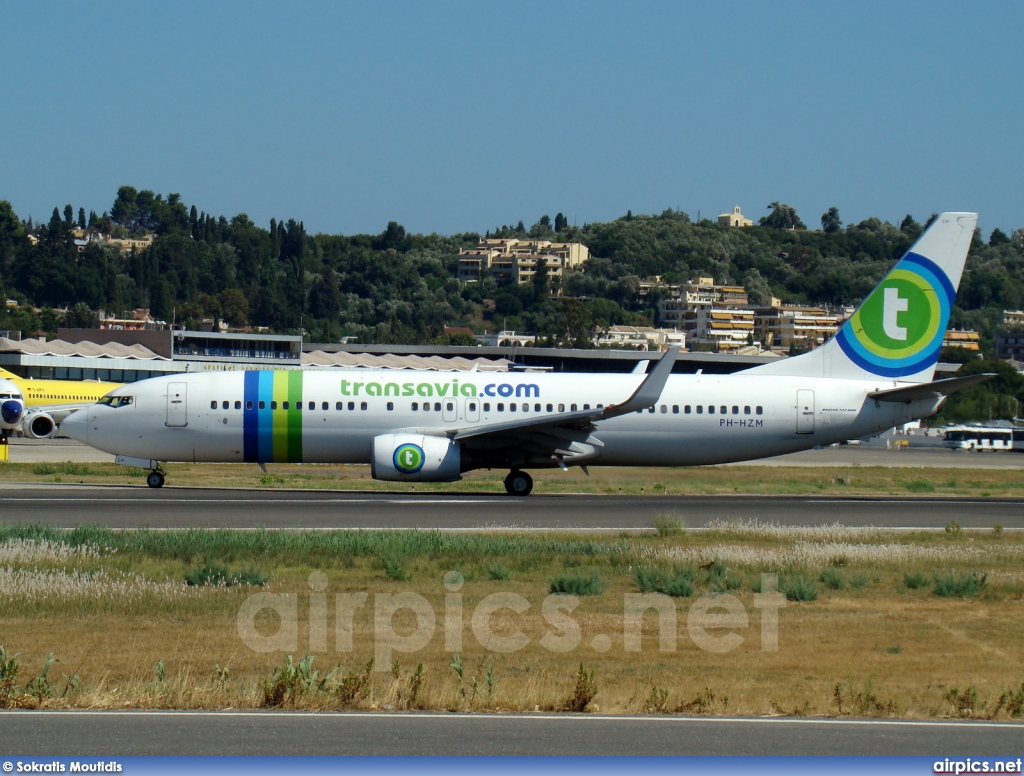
(169, 507)
(265, 733)
(923, 451)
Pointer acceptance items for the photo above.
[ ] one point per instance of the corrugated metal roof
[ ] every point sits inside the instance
(35, 347)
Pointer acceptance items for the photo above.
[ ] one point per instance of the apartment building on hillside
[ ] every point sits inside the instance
(517, 260)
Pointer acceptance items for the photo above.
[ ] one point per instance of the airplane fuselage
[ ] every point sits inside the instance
(331, 417)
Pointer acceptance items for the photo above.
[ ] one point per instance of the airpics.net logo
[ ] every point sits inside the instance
(409, 458)
(899, 328)
(500, 621)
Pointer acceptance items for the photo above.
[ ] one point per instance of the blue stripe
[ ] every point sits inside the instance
(266, 417)
(250, 418)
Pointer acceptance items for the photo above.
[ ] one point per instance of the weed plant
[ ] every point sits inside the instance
(578, 585)
(953, 585)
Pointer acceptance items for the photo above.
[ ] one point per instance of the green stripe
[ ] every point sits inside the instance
(294, 416)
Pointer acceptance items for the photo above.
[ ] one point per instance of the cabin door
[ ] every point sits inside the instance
(805, 411)
(449, 410)
(177, 404)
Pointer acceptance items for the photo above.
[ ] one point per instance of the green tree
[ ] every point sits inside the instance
(234, 307)
(998, 237)
(69, 215)
(80, 317)
(541, 279)
(830, 221)
(782, 217)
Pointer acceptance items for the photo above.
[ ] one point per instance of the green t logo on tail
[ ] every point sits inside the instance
(899, 328)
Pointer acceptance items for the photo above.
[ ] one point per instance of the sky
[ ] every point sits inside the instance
(462, 116)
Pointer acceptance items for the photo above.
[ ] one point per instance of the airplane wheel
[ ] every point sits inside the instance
(155, 480)
(518, 483)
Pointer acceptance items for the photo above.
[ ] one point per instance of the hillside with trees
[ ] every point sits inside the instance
(401, 287)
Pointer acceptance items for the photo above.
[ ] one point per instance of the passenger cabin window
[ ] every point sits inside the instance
(339, 405)
(391, 406)
(437, 406)
(550, 407)
(572, 407)
(225, 405)
(675, 409)
(487, 406)
(351, 406)
(700, 409)
(238, 405)
(213, 404)
(248, 405)
(273, 405)
(586, 406)
(723, 409)
(415, 406)
(711, 409)
(325, 406)
(735, 410)
(511, 407)
(472, 406)
(759, 410)
(746, 410)
(501, 406)
(449, 406)
(284, 405)
(263, 405)
(664, 409)
(536, 408)
(362, 405)
(561, 408)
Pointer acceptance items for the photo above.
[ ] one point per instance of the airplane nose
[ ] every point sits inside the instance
(76, 425)
(11, 411)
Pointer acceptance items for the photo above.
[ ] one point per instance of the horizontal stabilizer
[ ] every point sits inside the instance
(933, 390)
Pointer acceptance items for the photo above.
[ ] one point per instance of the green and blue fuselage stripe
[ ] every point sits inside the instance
(272, 420)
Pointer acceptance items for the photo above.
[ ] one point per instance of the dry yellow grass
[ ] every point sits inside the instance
(892, 651)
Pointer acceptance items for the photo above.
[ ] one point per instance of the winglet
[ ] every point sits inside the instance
(649, 390)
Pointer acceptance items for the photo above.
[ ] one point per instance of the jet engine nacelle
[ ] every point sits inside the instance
(38, 425)
(415, 458)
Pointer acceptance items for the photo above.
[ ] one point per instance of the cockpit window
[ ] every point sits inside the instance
(116, 401)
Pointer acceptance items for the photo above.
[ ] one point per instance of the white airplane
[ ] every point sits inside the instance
(12, 408)
(422, 426)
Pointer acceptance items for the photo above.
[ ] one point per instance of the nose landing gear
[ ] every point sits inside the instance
(518, 483)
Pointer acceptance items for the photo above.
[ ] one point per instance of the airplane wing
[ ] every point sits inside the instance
(566, 437)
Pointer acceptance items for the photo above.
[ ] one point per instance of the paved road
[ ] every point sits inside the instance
(130, 507)
(225, 733)
(923, 451)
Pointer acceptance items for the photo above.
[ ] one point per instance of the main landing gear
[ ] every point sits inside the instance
(518, 483)
(155, 479)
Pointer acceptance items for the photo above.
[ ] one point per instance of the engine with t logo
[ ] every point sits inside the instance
(416, 458)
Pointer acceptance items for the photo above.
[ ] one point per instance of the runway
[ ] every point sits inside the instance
(85, 734)
(135, 507)
(922, 452)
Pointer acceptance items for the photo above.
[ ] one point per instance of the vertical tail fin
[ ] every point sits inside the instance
(897, 331)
